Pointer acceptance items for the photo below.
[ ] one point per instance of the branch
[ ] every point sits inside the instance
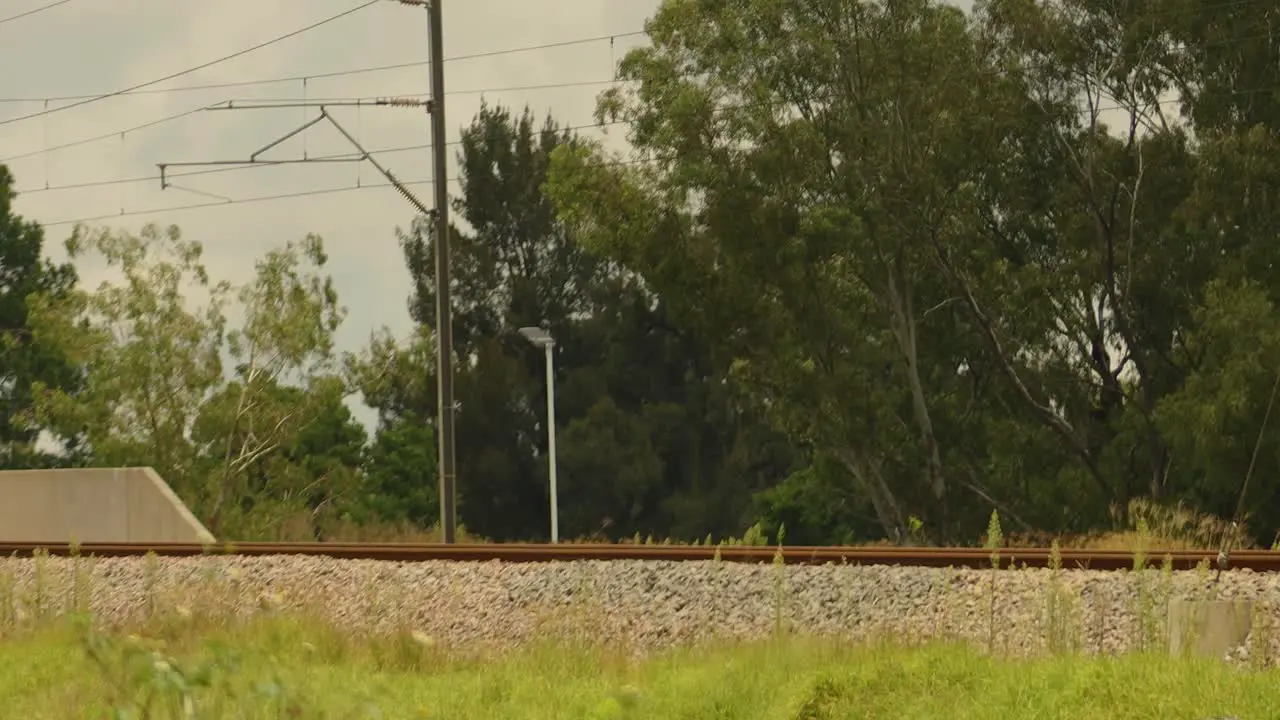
(1046, 414)
(249, 457)
(939, 306)
(1133, 221)
(1004, 509)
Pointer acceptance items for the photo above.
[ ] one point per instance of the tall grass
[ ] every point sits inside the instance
(288, 667)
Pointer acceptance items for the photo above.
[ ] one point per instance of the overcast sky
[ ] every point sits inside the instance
(92, 47)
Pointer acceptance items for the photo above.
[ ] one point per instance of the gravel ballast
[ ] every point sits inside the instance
(640, 604)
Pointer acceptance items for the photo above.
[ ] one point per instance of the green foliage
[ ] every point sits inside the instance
(820, 503)
(962, 311)
(400, 473)
(995, 538)
(797, 677)
(145, 683)
(149, 361)
(1062, 628)
(25, 361)
(245, 452)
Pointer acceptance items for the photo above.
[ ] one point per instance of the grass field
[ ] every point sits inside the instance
(290, 668)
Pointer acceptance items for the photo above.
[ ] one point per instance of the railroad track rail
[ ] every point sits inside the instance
(1256, 560)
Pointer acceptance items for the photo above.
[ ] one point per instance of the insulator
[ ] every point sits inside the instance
(401, 102)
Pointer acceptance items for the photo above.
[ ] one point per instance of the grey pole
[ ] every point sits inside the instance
(444, 313)
(542, 338)
(551, 440)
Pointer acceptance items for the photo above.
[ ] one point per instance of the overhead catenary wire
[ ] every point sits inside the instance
(105, 136)
(143, 90)
(566, 43)
(33, 11)
(202, 66)
(171, 118)
(239, 201)
(260, 164)
(269, 198)
(202, 108)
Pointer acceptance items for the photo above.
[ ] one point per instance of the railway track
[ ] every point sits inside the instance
(1256, 560)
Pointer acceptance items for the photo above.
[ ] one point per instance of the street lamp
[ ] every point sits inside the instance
(540, 337)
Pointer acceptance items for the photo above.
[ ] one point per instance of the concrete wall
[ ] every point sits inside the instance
(94, 505)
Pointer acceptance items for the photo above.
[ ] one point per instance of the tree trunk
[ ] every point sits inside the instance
(868, 475)
(904, 330)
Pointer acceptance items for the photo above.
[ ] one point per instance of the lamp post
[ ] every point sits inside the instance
(540, 337)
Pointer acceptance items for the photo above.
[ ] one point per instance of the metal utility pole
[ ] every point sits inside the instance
(444, 311)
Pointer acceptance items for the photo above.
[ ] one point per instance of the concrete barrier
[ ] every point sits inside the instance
(1208, 627)
(94, 505)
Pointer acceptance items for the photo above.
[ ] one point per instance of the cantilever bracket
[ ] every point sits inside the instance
(324, 115)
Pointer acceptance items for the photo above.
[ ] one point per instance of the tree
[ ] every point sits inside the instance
(1219, 418)
(23, 360)
(1012, 303)
(400, 466)
(651, 440)
(1149, 220)
(400, 473)
(148, 361)
(823, 142)
(1223, 61)
(155, 392)
(329, 452)
(286, 337)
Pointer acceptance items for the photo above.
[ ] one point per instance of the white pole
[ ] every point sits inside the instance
(551, 442)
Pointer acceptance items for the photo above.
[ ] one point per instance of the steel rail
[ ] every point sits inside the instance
(1256, 560)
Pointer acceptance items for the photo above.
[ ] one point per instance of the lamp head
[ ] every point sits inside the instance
(540, 337)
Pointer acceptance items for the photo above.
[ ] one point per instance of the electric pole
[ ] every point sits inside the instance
(444, 313)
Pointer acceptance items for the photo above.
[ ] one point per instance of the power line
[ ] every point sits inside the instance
(399, 66)
(320, 76)
(286, 196)
(96, 138)
(190, 70)
(265, 164)
(466, 91)
(185, 113)
(263, 198)
(177, 116)
(33, 11)
(145, 125)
